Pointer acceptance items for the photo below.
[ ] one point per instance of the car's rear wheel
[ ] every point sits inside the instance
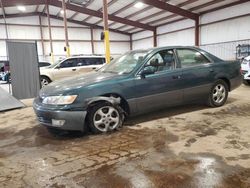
(104, 117)
(44, 81)
(218, 94)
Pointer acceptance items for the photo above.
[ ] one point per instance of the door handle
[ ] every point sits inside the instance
(176, 77)
(94, 68)
(73, 69)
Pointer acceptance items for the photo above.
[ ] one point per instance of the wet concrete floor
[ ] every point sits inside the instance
(187, 146)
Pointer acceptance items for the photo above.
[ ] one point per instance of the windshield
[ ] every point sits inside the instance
(125, 63)
(55, 64)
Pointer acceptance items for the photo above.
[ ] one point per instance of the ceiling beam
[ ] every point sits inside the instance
(225, 6)
(171, 8)
(59, 18)
(109, 4)
(84, 10)
(163, 12)
(206, 5)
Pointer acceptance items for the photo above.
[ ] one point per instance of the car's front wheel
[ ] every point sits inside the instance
(104, 117)
(44, 81)
(218, 94)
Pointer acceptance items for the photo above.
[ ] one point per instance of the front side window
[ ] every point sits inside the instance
(68, 63)
(190, 58)
(161, 61)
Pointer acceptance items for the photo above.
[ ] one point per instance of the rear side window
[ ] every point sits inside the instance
(191, 58)
(94, 61)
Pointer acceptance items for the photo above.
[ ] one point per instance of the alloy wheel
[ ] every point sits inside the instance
(219, 93)
(106, 118)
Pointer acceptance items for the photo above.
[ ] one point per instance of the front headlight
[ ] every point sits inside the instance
(60, 100)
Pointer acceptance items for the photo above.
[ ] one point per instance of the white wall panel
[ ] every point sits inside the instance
(119, 47)
(2, 50)
(2, 32)
(79, 34)
(229, 12)
(23, 20)
(23, 32)
(175, 26)
(142, 34)
(236, 29)
(143, 44)
(182, 38)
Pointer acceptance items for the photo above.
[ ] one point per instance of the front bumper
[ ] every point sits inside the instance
(72, 120)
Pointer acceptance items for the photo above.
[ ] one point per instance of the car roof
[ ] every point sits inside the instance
(86, 56)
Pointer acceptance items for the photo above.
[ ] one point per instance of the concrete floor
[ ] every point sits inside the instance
(188, 146)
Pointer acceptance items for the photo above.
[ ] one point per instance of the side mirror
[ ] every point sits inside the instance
(147, 71)
(154, 63)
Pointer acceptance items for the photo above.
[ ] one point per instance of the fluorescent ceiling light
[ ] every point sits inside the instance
(138, 5)
(62, 12)
(21, 8)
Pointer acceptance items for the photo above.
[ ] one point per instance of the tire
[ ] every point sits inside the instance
(104, 117)
(246, 82)
(218, 94)
(44, 81)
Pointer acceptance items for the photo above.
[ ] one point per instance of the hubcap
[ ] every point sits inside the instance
(44, 82)
(219, 93)
(106, 118)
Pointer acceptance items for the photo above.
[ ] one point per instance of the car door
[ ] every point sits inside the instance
(162, 88)
(197, 74)
(67, 68)
(88, 64)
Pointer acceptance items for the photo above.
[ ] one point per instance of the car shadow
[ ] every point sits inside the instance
(164, 113)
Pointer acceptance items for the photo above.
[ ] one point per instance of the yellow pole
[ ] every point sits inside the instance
(106, 31)
(68, 51)
(107, 46)
(52, 57)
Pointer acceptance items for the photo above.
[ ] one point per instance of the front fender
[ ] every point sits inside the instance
(111, 99)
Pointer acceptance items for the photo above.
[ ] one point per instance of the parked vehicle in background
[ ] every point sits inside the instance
(5, 73)
(69, 67)
(245, 68)
(44, 64)
(137, 82)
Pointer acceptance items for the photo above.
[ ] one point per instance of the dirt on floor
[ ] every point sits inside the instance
(187, 146)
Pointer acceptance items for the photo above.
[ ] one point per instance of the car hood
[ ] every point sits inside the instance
(70, 84)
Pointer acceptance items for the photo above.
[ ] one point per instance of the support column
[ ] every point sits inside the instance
(92, 40)
(41, 33)
(5, 23)
(197, 32)
(155, 37)
(65, 29)
(131, 42)
(50, 35)
(106, 31)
